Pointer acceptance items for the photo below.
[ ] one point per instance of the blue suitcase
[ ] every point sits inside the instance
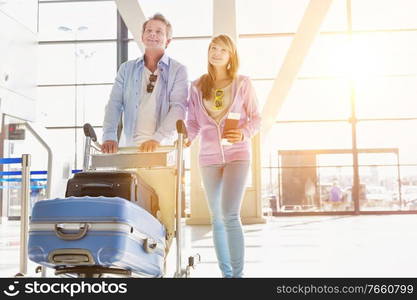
(96, 231)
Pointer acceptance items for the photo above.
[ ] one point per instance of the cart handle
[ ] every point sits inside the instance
(89, 132)
(149, 245)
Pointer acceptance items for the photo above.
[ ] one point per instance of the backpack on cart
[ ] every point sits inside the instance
(123, 184)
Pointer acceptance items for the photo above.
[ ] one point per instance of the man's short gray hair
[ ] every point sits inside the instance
(161, 18)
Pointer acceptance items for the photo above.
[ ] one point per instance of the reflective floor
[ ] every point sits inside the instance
(315, 246)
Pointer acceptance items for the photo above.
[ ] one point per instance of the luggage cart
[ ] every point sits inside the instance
(130, 158)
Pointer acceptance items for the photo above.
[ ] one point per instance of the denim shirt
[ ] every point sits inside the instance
(172, 94)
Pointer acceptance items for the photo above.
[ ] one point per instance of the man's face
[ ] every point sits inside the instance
(155, 35)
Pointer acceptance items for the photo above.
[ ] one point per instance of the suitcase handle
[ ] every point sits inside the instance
(149, 245)
(71, 236)
(96, 185)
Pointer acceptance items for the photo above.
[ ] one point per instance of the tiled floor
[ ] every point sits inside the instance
(348, 246)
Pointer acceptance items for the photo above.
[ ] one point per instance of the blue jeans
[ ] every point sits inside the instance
(224, 185)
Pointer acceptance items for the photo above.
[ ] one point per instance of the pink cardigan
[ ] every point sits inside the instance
(199, 122)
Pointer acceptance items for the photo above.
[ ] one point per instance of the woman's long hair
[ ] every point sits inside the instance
(206, 82)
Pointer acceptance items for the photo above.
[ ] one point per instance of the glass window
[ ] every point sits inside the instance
(262, 88)
(93, 63)
(378, 188)
(408, 188)
(315, 181)
(188, 18)
(379, 177)
(335, 188)
(272, 16)
(262, 57)
(69, 142)
(365, 55)
(384, 14)
(408, 175)
(191, 53)
(327, 57)
(11, 190)
(389, 97)
(317, 100)
(52, 103)
(267, 16)
(390, 134)
(380, 158)
(91, 101)
(56, 64)
(15, 148)
(98, 18)
(336, 18)
(23, 11)
(334, 159)
(134, 51)
(383, 53)
(310, 99)
(328, 135)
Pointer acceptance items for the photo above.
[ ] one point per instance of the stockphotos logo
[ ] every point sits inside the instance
(70, 289)
(11, 290)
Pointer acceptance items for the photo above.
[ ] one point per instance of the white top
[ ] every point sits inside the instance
(146, 121)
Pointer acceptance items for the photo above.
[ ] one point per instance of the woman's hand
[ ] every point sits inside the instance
(187, 143)
(233, 135)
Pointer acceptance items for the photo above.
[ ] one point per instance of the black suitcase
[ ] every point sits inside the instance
(123, 184)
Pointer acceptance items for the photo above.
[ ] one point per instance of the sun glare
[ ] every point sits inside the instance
(362, 59)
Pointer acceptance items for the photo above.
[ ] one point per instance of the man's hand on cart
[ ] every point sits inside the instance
(109, 147)
(149, 146)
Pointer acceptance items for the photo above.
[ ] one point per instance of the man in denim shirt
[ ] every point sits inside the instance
(151, 92)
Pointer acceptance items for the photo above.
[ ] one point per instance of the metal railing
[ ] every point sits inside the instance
(24, 210)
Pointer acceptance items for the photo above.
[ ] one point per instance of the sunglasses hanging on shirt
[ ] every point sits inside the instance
(218, 99)
(151, 84)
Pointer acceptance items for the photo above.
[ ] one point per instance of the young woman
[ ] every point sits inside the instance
(215, 99)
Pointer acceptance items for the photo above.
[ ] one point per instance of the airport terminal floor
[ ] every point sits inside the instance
(371, 246)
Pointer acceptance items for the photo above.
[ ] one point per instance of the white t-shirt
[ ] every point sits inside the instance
(146, 121)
